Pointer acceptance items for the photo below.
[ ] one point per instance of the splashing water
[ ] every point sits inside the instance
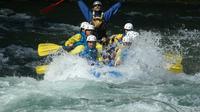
(68, 85)
(144, 58)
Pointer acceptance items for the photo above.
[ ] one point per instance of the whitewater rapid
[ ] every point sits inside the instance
(68, 86)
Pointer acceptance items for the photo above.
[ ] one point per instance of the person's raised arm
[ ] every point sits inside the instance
(85, 10)
(112, 11)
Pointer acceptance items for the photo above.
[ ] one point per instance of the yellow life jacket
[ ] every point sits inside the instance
(116, 38)
(80, 48)
(97, 21)
(99, 48)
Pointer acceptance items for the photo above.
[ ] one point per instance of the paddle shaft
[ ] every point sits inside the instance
(50, 7)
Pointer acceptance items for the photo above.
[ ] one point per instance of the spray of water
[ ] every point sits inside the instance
(69, 86)
(144, 58)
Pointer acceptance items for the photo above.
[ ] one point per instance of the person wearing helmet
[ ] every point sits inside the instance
(97, 17)
(122, 50)
(80, 39)
(118, 37)
(72, 44)
(115, 41)
(118, 43)
(88, 50)
(69, 44)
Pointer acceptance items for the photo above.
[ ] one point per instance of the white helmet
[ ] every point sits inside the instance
(126, 38)
(132, 34)
(84, 25)
(89, 27)
(128, 26)
(97, 3)
(91, 38)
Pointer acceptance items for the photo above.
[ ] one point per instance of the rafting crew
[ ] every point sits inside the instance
(85, 44)
(92, 42)
(72, 45)
(115, 42)
(117, 38)
(110, 55)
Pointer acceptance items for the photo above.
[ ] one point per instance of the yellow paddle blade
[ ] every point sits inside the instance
(176, 68)
(40, 70)
(174, 62)
(45, 49)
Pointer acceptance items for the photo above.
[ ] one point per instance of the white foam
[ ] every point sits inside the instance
(66, 66)
(139, 107)
(145, 57)
(187, 34)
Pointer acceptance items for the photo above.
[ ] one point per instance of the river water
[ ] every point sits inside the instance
(146, 86)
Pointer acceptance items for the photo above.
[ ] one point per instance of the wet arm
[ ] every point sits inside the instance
(73, 39)
(77, 50)
(85, 10)
(112, 11)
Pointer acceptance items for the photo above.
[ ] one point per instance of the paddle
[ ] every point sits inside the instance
(40, 70)
(50, 7)
(176, 68)
(175, 60)
(45, 49)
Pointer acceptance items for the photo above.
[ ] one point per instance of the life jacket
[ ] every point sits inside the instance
(119, 38)
(116, 39)
(115, 42)
(82, 40)
(89, 53)
(99, 24)
(97, 21)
